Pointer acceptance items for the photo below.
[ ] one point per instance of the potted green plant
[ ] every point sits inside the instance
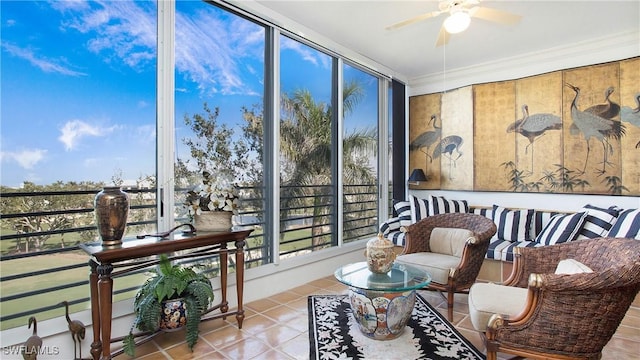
(175, 296)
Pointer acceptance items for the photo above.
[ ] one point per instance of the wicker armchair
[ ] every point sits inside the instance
(567, 316)
(462, 274)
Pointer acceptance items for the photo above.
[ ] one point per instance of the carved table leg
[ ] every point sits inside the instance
(96, 345)
(105, 289)
(240, 280)
(224, 263)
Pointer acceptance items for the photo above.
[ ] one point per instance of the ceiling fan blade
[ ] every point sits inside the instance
(443, 37)
(414, 20)
(494, 15)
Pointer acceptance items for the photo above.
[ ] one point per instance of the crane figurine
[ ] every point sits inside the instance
(32, 346)
(77, 329)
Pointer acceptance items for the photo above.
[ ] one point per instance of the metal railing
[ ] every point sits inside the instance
(41, 233)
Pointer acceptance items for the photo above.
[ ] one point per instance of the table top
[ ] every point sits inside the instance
(401, 277)
(132, 248)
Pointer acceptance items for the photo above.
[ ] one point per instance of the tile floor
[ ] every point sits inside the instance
(277, 328)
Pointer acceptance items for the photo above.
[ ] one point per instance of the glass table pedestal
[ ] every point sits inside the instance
(382, 304)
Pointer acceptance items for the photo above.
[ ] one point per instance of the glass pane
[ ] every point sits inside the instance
(360, 159)
(219, 95)
(78, 112)
(306, 149)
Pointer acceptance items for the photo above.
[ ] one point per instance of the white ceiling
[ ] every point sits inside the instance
(411, 51)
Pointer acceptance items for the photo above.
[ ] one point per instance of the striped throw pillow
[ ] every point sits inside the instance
(598, 222)
(440, 205)
(562, 228)
(419, 208)
(403, 209)
(627, 225)
(392, 224)
(513, 225)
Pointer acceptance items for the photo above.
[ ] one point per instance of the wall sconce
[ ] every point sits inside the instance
(417, 175)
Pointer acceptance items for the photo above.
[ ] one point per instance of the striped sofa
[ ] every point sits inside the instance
(520, 227)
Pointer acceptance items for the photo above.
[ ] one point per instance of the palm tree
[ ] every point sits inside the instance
(307, 150)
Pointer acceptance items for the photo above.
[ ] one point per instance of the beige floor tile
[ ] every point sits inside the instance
(297, 348)
(277, 335)
(273, 355)
(261, 305)
(182, 351)
(246, 349)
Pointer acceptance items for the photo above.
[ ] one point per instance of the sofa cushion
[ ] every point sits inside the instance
(419, 208)
(627, 225)
(503, 249)
(390, 225)
(486, 299)
(440, 205)
(512, 225)
(562, 228)
(449, 241)
(403, 209)
(572, 266)
(598, 221)
(540, 220)
(438, 265)
(397, 237)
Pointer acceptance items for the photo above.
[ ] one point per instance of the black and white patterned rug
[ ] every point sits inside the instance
(334, 334)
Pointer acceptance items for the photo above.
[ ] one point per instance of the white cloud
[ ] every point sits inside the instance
(73, 131)
(121, 30)
(44, 64)
(27, 159)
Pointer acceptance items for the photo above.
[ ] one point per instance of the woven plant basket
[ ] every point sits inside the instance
(213, 221)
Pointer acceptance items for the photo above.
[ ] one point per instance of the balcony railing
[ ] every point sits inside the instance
(40, 253)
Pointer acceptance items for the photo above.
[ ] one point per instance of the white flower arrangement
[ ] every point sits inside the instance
(210, 196)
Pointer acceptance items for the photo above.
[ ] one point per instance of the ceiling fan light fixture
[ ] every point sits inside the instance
(457, 22)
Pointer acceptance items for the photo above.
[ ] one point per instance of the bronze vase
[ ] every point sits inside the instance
(111, 210)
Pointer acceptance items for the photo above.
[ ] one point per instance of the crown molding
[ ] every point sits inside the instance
(599, 50)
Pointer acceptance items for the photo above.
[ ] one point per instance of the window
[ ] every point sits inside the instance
(81, 116)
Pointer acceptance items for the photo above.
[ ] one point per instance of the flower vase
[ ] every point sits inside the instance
(111, 212)
(213, 221)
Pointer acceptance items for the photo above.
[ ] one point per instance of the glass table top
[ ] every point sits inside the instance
(401, 277)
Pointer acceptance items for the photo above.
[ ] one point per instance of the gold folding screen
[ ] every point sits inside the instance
(569, 131)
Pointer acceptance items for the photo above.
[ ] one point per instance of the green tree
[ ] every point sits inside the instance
(307, 149)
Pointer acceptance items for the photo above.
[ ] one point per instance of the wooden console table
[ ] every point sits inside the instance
(130, 256)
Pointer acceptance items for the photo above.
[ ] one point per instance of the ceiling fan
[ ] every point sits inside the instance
(460, 14)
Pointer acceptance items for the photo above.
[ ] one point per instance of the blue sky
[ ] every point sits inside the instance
(78, 91)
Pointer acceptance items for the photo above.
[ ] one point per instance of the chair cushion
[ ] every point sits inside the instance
(513, 225)
(627, 225)
(449, 241)
(562, 228)
(486, 299)
(438, 265)
(572, 266)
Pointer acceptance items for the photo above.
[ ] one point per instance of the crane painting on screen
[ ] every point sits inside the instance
(608, 109)
(446, 147)
(632, 115)
(534, 126)
(425, 140)
(594, 126)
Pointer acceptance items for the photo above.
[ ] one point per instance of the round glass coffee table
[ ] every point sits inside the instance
(382, 303)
